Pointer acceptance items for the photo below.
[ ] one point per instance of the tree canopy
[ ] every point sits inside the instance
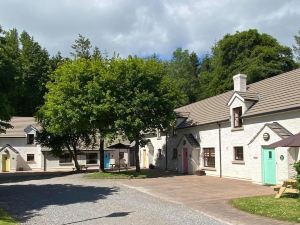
(145, 99)
(258, 55)
(7, 72)
(184, 69)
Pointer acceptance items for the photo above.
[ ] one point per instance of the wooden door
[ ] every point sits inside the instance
(269, 166)
(5, 163)
(185, 165)
(106, 160)
(144, 158)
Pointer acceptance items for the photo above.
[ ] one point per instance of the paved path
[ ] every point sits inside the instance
(206, 194)
(71, 199)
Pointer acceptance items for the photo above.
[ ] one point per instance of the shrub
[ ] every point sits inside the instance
(297, 168)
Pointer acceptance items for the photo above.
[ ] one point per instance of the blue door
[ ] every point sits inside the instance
(269, 166)
(106, 159)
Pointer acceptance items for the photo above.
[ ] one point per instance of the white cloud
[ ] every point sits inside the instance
(146, 27)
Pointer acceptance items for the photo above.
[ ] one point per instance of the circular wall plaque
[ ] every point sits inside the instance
(266, 136)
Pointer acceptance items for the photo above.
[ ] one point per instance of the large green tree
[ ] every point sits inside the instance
(78, 106)
(7, 72)
(145, 99)
(31, 70)
(184, 68)
(258, 55)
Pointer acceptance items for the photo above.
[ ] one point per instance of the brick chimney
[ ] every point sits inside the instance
(240, 82)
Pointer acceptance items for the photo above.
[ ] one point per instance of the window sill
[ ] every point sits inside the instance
(66, 164)
(240, 162)
(31, 162)
(209, 168)
(237, 129)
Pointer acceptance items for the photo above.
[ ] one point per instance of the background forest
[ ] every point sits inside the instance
(25, 67)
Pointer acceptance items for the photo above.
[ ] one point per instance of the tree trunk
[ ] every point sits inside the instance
(137, 157)
(74, 157)
(101, 156)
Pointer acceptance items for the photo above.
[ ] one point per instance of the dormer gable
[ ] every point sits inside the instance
(30, 134)
(30, 129)
(248, 98)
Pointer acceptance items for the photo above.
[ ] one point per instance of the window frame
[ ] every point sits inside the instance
(237, 117)
(159, 153)
(208, 162)
(91, 160)
(29, 140)
(63, 158)
(32, 158)
(121, 155)
(236, 155)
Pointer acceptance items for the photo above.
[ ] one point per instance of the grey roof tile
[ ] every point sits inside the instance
(281, 92)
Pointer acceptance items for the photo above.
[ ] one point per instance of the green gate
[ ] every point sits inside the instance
(269, 166)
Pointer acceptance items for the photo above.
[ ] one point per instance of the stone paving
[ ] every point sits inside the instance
(206, 194)
(71, 199)
(66, 198)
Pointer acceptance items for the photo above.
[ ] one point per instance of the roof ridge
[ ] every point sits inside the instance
(248, 86)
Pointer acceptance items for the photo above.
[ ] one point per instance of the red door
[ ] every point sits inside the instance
(185, 160)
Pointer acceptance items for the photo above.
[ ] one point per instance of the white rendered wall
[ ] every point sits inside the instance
(251, 169)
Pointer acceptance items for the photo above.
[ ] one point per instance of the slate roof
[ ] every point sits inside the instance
(10, 147)
(252, 96)
(192, 140)
(277, 128)
(278, 93)
(19, 125)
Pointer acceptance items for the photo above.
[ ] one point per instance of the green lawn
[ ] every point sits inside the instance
(131, 174)
(5, 218)
(284, 208)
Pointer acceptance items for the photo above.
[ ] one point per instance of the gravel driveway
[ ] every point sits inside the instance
(72, 199)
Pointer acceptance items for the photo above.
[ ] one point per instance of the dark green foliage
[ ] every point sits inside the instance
(183, 69)
(258, 55)
(297, 168)
(82, 48)
(30, 67)
(7, 71)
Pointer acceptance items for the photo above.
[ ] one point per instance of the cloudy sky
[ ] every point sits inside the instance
(144, 27)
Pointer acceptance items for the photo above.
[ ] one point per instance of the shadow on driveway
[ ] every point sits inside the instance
(116, 214)
(6, 178)
(25, 201)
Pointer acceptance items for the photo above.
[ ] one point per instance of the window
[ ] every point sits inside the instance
(238, 153)
(91, 158)
(30, 157)
(121, 155)
(159, 154)
(209, 157)
(175, 153)
(30, 139)
(65, 158)
(237, 120)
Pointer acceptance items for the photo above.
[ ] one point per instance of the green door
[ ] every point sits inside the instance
(269, 166)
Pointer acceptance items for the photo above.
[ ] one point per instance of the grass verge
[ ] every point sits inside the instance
(6, 219)
(284, 208)
(131, 174)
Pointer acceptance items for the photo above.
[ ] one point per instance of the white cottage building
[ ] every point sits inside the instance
(228, 135)
(20, 152)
